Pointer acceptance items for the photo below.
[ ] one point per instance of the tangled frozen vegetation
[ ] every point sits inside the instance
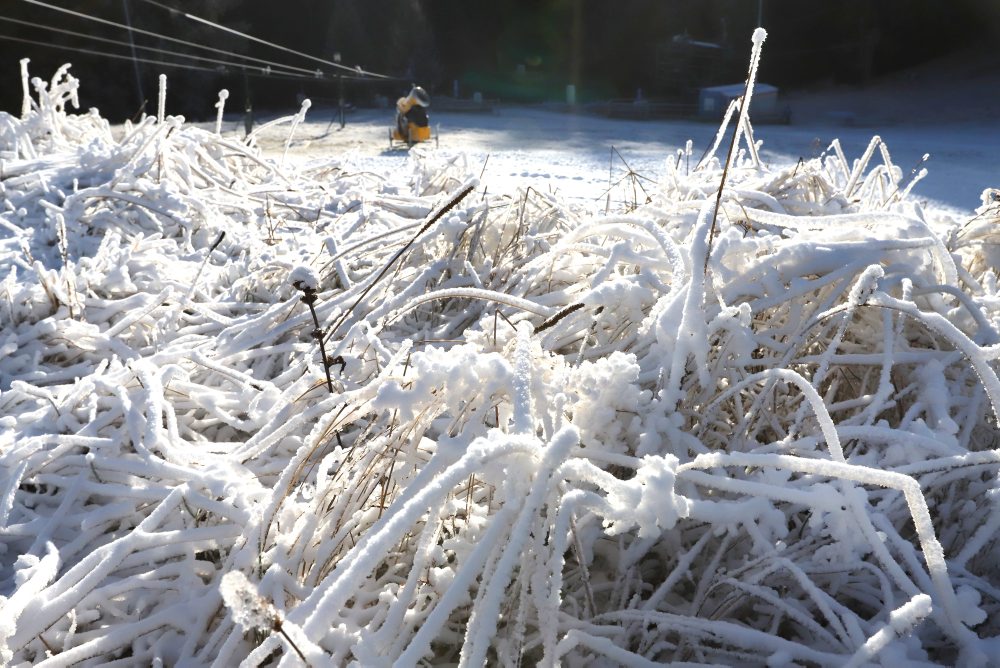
(292, 415)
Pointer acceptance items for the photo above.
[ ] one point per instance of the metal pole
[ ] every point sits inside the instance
(340, 91)
(135, 62)
(247, 105)
(760, 13)
(340, 84)
(576, 46)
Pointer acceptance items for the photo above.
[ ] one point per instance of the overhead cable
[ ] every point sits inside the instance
(103, 54)
(87, 17)
(276, 67)
(356, 70)
(257, 72)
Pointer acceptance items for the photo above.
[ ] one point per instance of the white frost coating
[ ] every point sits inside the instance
(991, 383)
(866, 284)
(331, 246)
(689, 336)
(603, 646)
(742, 124)
(131, 319)
(221, 106)
(860, 165)
(83, 577)
(697, 430)
(10, 488)
(303, 277)
(919, 513)
(33, 576)
(901, 622)
(420, 646)
(161, 105)
(318, 609)
(483, 622)
(524, 421)
(719, 135)
(862, 289)
(649, 500)
(249, 610)
(476, 293)
(298, 118)
(25, 89)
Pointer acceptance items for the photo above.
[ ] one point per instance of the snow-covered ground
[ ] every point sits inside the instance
(459, 405)
(571, 153)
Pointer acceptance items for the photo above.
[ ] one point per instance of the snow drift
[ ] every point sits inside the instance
(759, 430)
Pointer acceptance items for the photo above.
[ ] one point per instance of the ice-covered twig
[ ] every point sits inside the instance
(221, 107)
(298, 118)
(161, 103)
(759, 35)
(901, 622)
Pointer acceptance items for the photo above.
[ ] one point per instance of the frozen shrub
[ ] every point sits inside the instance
(745, 425)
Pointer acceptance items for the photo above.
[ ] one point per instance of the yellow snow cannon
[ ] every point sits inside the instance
(412, 122)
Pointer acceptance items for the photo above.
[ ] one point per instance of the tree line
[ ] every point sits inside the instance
(513, 49)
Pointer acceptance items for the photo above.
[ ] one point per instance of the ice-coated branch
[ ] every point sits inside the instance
(161, 103)
(221, 107)
(298, 118)
(786, 459)
(25, 89)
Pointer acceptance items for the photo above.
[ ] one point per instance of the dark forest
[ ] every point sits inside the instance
(513, 50)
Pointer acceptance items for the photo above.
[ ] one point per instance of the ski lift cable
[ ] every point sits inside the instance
(103, 54)
(355, 70)
(149, 33)
(257, 72)
(41, 26)
(266, 63)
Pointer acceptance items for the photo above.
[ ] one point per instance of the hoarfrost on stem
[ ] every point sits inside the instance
(555, 430)
(249, 609)
(303, 277)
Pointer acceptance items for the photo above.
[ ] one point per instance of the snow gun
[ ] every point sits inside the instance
(412, 122)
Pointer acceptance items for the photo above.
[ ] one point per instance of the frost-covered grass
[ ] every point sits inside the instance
(760, 435)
